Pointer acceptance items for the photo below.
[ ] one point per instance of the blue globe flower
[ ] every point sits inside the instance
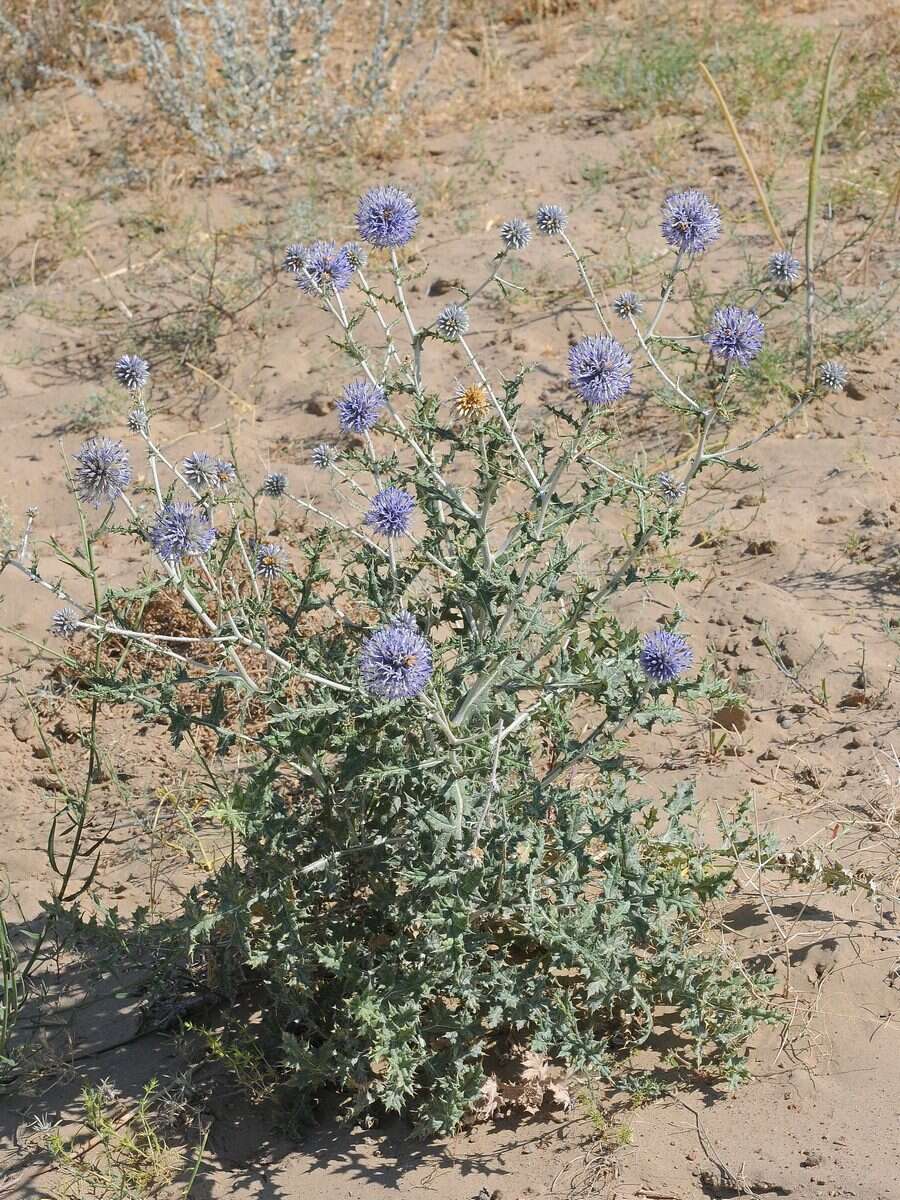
(691, 222)
(395, 661)
(600, 370)
(360, 406)
(181, 531)
(390, 512)
(735, 335)
(665, 656)
(103, 472)
(386, 217)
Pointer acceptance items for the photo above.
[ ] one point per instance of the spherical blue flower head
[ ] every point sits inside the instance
(323, 456)
(665, 656)
(833, 376)
(181, 531)
(225, 472)
(600, 370)
(138, 421)
(325, 268)
(515, 233)
(395, 662)
(627, 305)
(360, 406)
(386, 217)
(268, 561)
(783, 268)
(357, 255)
(736, 335)
(64, 623)
(691, 222)
(390, 513)
(132, 371)
(550, 220)
(199, 469)
(294, 257)
(274, 484)
(103, 472)
(452, 322)
(669, 487)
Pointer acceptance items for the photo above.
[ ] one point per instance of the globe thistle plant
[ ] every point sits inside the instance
(199, 469)
(669, 487)
(390, 512)
(395, 662)
(471, 402)
(446, 786)
(691, 222)
(515, 233)
(103, 471)
(833, 376)
(294, 258)
(274, 485)
(735, 335)
(138, 421)
(268, 562)
(357, 255)
(550, 220)
(783, 269)
(323, 456)
(133, 372)
(627, 304)
(181, 531)
(600, 370)
(452, 322)
(386, 217)
(665, 656)
(325, 268)
(65, 623)
(360, 406)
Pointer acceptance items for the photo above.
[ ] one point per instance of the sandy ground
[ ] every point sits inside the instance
(796, 596)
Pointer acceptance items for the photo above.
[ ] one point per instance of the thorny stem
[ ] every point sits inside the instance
(498, 408)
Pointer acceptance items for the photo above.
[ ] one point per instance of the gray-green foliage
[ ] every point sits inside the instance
(422, 889)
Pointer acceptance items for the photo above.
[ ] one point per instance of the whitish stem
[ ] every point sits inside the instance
(667, 292)
(498, 408)
(587, 283)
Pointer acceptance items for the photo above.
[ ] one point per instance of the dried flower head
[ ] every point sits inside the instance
(323, 456)
(669, 487)
(627, 305)
(395, 661)
(471, 401)
(550, 220)
(65, 623)
(783, 268)
(103, 472)
(452, 322)
(665, 656)
(274, 484)
(600, 370)
(515, 233)
(268, 564)
(833, 375)
(735, 335)
(390, 512)
(325, 268)
(386, 217)
(360, 406)
(138, 421)
(181, 531)
(691, 222)
(294, 257)
(132, 372)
